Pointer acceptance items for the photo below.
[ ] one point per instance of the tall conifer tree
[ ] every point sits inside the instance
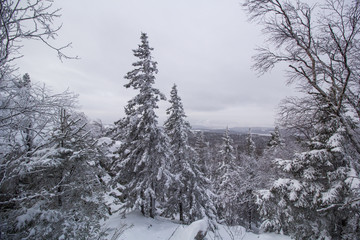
(191, 197)
(142, 166)
(226, 181)
(178, 129)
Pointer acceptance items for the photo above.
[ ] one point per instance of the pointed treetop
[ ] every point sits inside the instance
(250, 145)
(143, 75)
(276, 139)
(175, 100)
(226, 137)
(174, 91)
(145, 46)
(227, 148)
(177, 127)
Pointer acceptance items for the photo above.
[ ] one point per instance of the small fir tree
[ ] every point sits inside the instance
(276, 148)
(276, 139)
(250, 147)
(226, 181)
(248, 180)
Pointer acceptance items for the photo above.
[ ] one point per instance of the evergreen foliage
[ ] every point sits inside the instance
(52, 160)
(202, 149)
(190, 197)
(226, 184)
(50, 172)
(248, 181)
(318, 195)
(276, 148)
(276, 140)
(144, 156)
(250, 147)
(313, 202)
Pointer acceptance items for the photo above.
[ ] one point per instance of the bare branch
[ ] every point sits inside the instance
(321, 46)
(33, 19)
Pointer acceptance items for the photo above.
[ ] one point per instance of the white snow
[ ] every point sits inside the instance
(190, 232)
(28, 216)
(136, 227)
(353, 179)
(106, 141)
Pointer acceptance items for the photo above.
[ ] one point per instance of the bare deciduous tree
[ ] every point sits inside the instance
(33, 19)
(320, 44)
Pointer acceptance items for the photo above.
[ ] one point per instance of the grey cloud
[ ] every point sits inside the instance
(205, 47)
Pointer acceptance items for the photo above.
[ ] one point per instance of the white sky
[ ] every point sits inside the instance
(204, 46)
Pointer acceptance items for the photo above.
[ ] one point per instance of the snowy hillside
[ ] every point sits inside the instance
(137, 227)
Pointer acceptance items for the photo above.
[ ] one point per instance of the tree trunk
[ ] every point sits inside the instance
(28, 139)
(181, 210)
(151, 209)
(59, 190)
(142, 209)
(249, 215)
(62, 126)
(142, 206)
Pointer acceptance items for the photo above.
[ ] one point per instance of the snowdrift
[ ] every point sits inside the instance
(137, 227)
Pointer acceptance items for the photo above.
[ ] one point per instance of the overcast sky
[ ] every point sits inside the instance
(204, 46)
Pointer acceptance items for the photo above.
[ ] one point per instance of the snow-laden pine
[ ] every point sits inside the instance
(142, 165)
(226, 181)
(50, 177)
(314, 198)
(190, 196)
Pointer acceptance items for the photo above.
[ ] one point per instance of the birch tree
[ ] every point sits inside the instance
(320, 45)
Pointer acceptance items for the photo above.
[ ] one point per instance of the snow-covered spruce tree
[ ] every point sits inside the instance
(201, 197)
(202, 149)
(315, 200)
(276, 139)
(248, 182)
(190, 198)
(50, 186)
(226, 184)
(145, 154)
(178, 129)
(267, 171)
(320, 44)
(73, 176)
(250, 147)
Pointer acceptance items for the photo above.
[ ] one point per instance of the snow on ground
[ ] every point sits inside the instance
(190, 232)
(137, 227)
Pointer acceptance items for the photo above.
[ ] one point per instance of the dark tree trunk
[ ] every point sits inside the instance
(181, 209)
(28, 139)
(181, 212)
(152, 207)
(59, 196)
(249, 215)
(142, 209)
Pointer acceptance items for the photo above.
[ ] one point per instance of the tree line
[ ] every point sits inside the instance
(57, 166)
